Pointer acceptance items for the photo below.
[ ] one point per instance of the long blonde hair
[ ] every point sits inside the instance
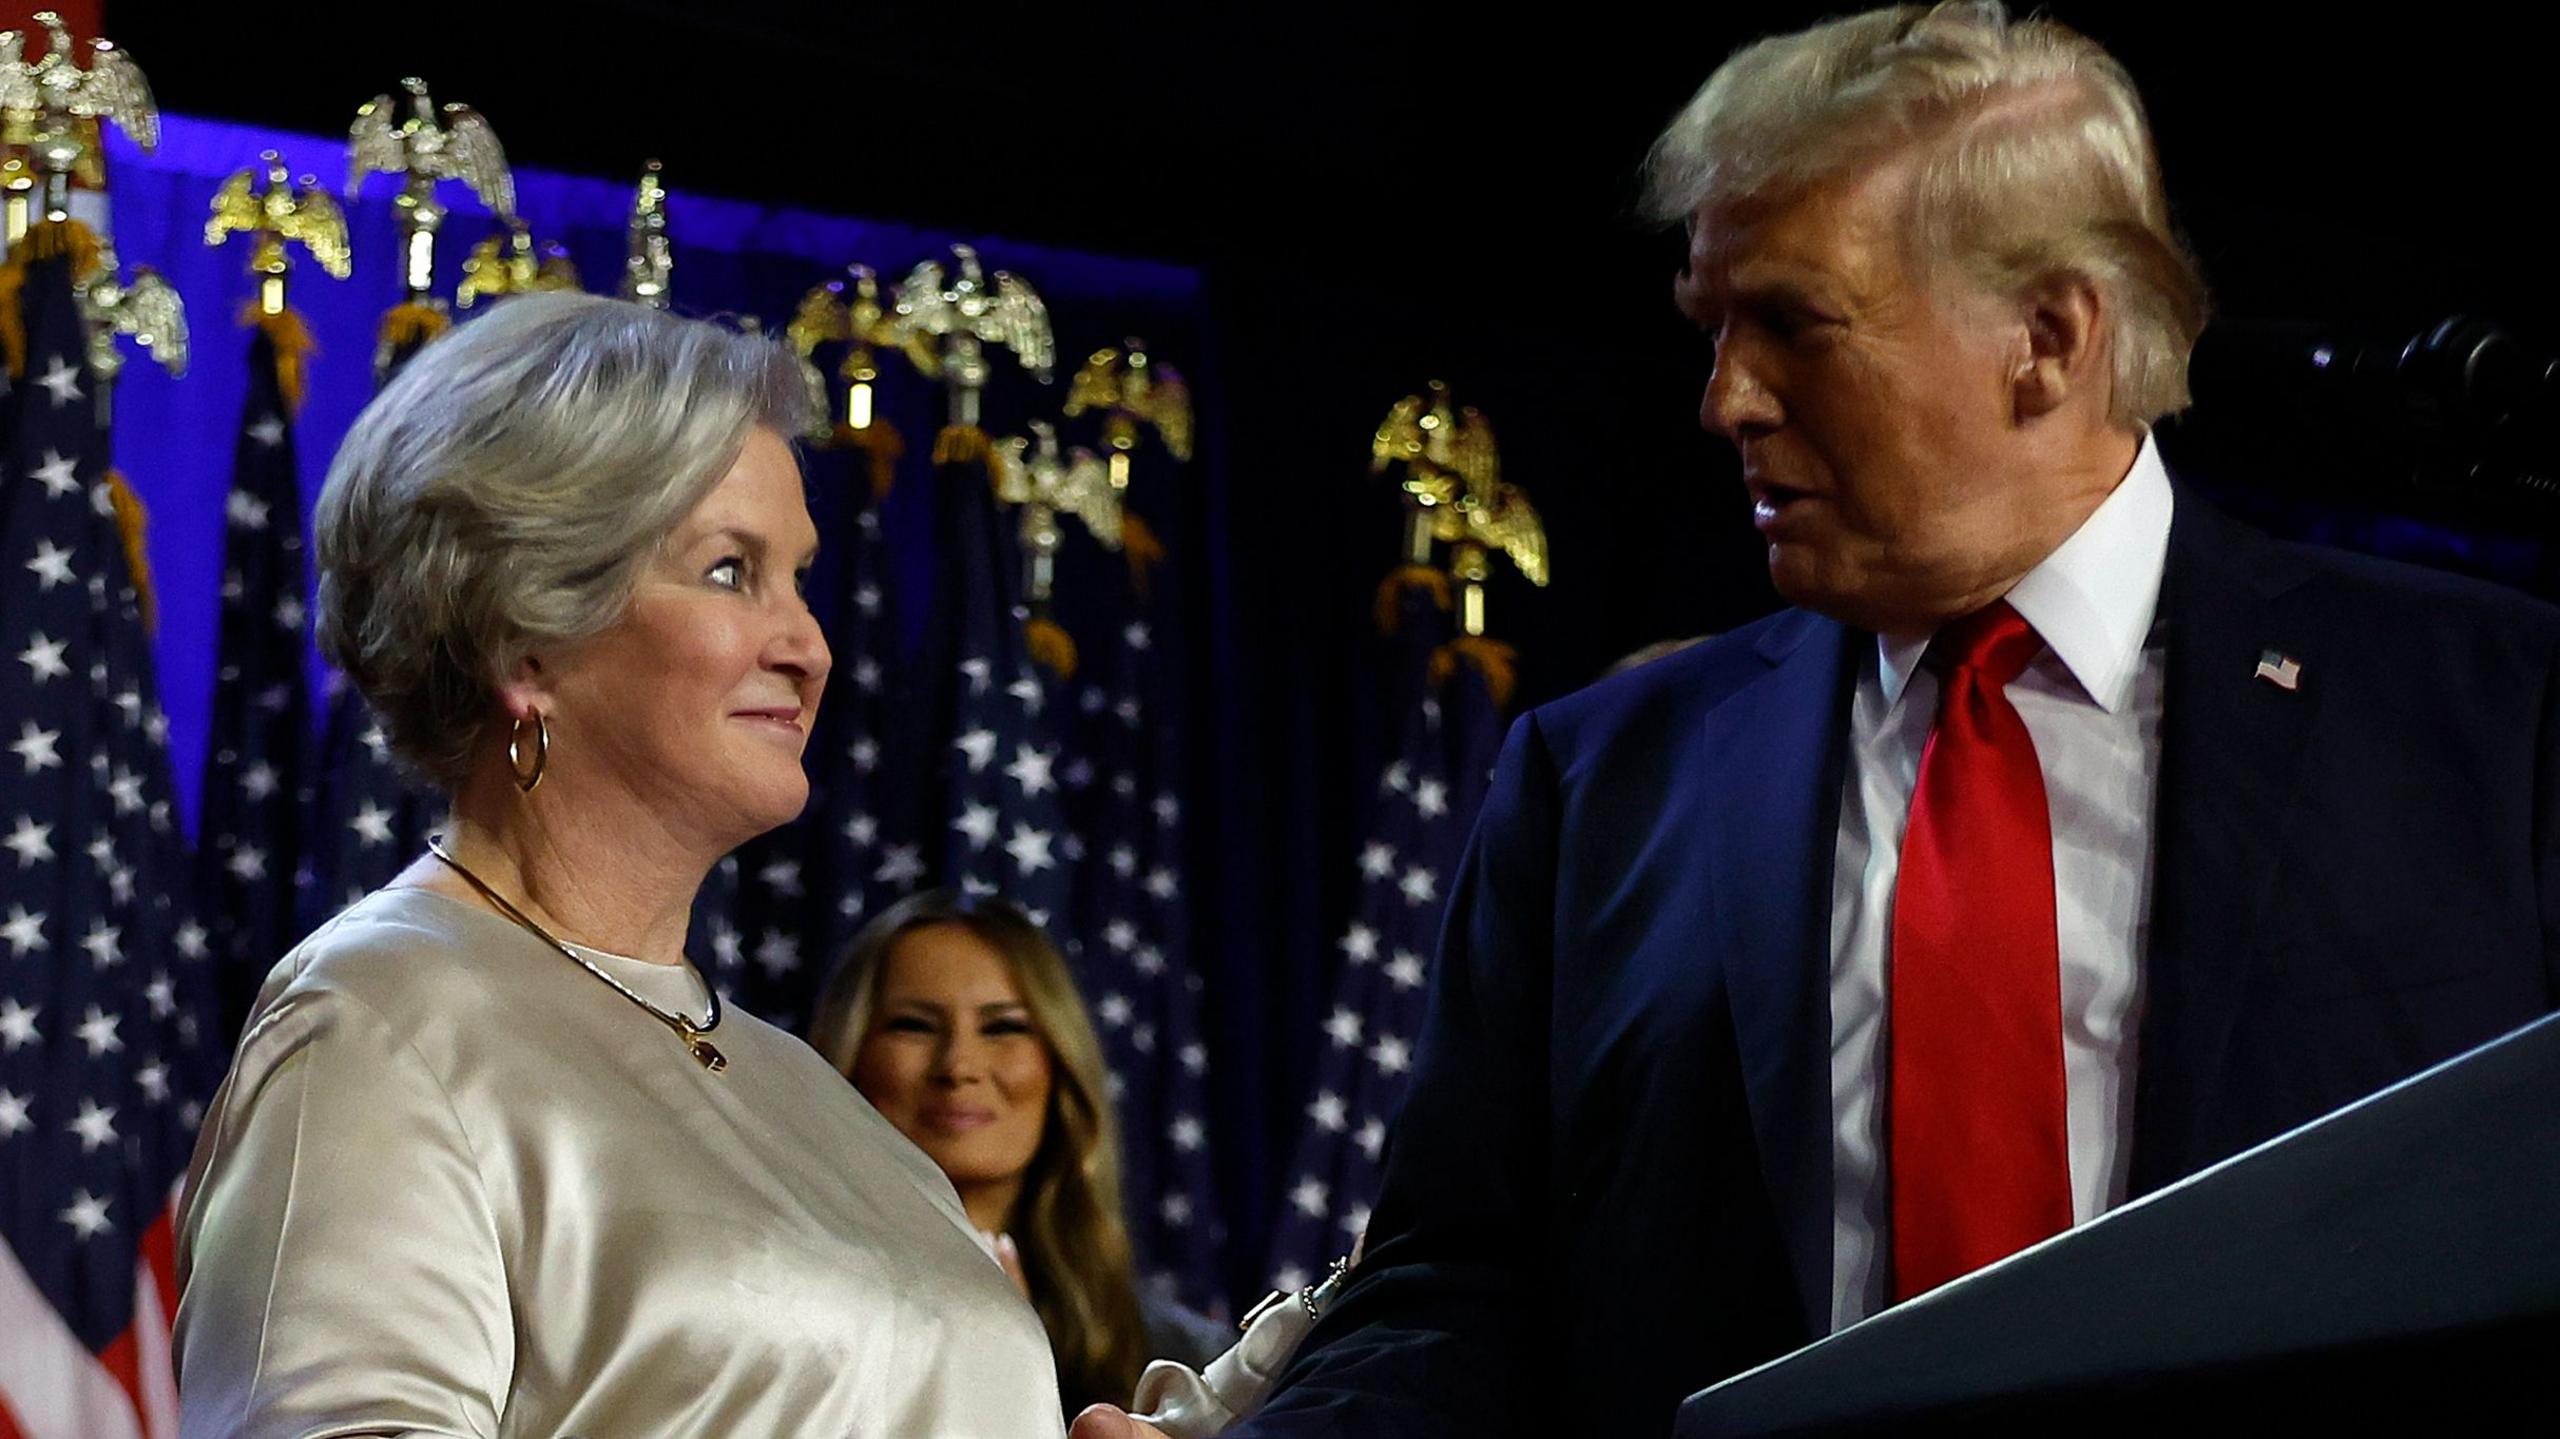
(1067, 1223)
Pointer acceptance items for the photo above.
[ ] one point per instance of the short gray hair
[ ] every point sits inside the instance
(505, 490)
(2038, 161)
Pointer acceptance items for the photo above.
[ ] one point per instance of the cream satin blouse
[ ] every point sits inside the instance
(455, 1186)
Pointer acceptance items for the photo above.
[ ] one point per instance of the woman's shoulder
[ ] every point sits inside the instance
(393, 955)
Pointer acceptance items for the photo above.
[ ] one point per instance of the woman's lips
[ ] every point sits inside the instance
(956, 1119)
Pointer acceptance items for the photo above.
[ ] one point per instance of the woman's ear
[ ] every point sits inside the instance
(527, 690)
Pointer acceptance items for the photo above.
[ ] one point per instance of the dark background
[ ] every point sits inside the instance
(1393, 192)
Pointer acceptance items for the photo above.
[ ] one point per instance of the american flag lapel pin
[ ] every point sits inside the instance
(2280, 669)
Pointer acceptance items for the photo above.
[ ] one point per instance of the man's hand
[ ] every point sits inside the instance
(1109, 1421)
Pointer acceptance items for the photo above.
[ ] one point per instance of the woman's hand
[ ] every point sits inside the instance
(1110, 1421)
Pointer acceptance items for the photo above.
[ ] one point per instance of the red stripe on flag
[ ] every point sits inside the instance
(160, 1258)
(122, 1358)
(9, 1422)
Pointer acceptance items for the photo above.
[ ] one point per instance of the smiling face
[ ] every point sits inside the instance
(953, 1060)
(1872, 400)
(699, 701)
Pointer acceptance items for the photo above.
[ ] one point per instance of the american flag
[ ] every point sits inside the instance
(372, 816)
(1135, 958)
(869, 839)
(1425, 801)
(257, 785)
(1005, 810)
(105, 1053)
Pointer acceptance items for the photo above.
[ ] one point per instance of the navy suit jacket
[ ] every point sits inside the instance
(1611, 1185)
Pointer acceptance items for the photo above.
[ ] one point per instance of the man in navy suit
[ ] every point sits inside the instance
(2063, 839)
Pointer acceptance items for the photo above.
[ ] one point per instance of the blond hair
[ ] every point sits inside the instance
(1075, 1247)
(2034, 161)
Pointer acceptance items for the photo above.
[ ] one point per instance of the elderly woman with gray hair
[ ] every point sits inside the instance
(492, 1159)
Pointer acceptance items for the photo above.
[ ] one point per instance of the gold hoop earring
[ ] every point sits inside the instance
(541, 751)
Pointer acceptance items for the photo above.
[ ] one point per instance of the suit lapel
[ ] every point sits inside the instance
(2232, 745)
(1772, 806)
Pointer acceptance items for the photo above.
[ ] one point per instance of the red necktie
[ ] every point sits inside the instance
(1980, 1164)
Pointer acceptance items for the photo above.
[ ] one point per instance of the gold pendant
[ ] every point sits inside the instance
(712, 1059)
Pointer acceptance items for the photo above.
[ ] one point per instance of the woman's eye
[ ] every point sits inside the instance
(729, 574)
(907, 1024)
(1005, 1026)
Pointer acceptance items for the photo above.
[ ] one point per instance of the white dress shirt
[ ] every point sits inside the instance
(2091, 702)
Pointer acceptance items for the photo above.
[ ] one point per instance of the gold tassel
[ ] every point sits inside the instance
(44, 240)
(962, 445)
(1496, 661)
(1145, 552)
(412, 323)
(131, 519)
(1409, 577)
(294, 346)
(882, 443)
(1051, 647)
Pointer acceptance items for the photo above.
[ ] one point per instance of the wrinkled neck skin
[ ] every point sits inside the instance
(600, 869)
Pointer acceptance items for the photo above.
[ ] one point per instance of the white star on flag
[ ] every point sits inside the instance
(866, 675)
(162, 995)
(1161, 884)
(98, 1031)
(979, 746)
(1194, 1058)
(248, 862)
(1405, 970)
(1431, 798)
(126, 791)
(1030, 849)
(1124, 861)
(901, 865)
(1391, 1055)
(782, 876)
(101, 943)
(59, 474)
(95, 1126)
(258, 781)
(1114, 1010)
(1329, 1112)
(289, 614)
(61, 381)
(372, 823)
(245, 510)
(866, 598)
(1027, 690)
(1377, 860)
(726, 944)
(1186, 1133)
(778, 953)
(1121, 935)
(862, 830)
(1168, 810)
(980, 674)
(1176, 1209)
(1372, 1138)
(17, 1024)
(1149, 961)
(1030, 769)
(153, 1079)
(977, 824)
(1309, 1196)
(1355, 1220)
(52, 565)
(192, 941)
(865, 754)
(1136, 635)
(1344, 1026)
(36, 747)
(13, 1114)
(29, 840)
(1419, 886)
(24, 932)
(43, 658)
(1360, 944)
(268, 431)
(87, 1215)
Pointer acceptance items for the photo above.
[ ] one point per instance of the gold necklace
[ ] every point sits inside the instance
(693, 1035)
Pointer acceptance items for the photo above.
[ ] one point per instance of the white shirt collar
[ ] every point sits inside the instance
(2093, 598)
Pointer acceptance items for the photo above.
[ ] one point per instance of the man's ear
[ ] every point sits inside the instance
(2064, 345)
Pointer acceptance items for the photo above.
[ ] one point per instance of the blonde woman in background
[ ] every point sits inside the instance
(958, 1020)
